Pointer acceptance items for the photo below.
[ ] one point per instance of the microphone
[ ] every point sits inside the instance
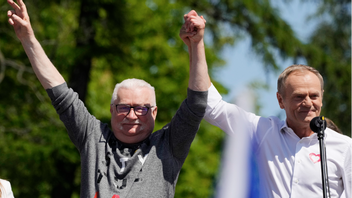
(318, 124)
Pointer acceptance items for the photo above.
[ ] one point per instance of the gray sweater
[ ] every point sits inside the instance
(113, 169)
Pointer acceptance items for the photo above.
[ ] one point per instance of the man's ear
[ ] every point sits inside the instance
(280, 100)
(111, 109)
(322, 94)
(154, 112)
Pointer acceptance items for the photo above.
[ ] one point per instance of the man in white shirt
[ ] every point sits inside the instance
(287, 151)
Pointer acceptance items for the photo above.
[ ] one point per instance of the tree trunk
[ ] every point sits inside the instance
(85, 44)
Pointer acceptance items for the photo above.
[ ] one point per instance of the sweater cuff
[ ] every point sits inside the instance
(56, 91)
(197, 101)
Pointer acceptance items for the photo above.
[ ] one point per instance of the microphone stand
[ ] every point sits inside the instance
(323, 162)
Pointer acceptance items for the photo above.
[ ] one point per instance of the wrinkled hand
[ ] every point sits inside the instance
(193, 28)
(185, 35)
(19, 19)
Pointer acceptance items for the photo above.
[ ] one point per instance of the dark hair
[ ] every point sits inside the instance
(330, 124)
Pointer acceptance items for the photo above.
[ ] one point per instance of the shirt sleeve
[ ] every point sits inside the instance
(347, 176)
(228, 117)
(73, 113)
(185, 124)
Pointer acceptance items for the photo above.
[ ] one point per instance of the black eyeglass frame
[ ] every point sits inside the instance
(134, 109)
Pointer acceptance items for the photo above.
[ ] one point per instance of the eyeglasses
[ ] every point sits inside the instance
(138, 110)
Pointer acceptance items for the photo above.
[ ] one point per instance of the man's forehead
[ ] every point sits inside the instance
(299, 91)
(134, 90)
(301, 82)
(139, 95)
(298, 76)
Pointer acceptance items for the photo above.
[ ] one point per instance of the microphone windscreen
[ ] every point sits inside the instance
(316, 124)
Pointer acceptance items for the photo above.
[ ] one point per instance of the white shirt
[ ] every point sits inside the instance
(288, 166)
(6, 191)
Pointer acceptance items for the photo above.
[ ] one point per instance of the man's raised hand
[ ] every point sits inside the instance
(19, 19)
(194, 26)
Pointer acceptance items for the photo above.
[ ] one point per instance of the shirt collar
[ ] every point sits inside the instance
(285, 129)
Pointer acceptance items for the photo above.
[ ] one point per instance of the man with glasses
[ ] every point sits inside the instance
(128, 160)
(133, 110)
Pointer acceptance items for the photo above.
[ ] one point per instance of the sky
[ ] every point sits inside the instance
(243, 67)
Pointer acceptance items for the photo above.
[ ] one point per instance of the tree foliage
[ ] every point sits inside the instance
(95, 44)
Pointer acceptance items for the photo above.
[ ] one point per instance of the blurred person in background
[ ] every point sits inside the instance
(330, 124)
(5, 189)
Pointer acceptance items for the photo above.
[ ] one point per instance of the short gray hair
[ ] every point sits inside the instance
(296, 68)
(133, 83)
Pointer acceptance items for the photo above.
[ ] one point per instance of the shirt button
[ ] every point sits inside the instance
(296, 181)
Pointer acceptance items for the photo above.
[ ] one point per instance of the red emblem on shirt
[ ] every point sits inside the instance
(314, 157)
(114, 196)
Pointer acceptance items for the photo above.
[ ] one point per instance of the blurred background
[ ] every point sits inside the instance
(98, 43)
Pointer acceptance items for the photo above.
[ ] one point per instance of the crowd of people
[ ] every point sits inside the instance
(130, 160)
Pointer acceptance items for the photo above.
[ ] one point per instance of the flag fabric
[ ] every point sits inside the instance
(238, 173)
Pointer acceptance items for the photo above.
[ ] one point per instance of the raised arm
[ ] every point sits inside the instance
(45, 71)
(192, 33)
